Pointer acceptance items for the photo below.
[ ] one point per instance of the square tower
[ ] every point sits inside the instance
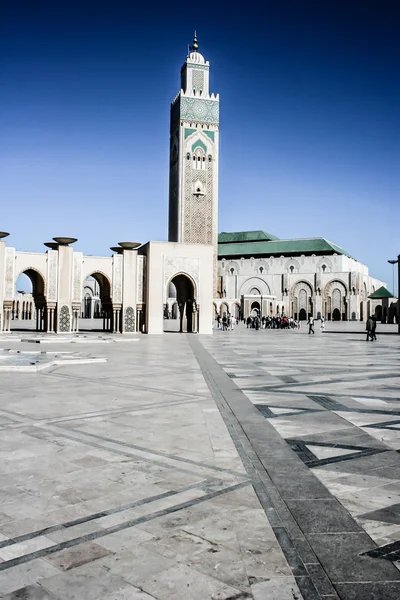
(194, 138)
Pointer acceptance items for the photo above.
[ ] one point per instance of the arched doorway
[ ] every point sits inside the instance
(87, 306)
(336, 314)
(378, 312)
(236, 310)
(223, 310)
(96, 310)
(302, 300)
(29, 311)
(302, 315)
(181, 287)
(255, 309)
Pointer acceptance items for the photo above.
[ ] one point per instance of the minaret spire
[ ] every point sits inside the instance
(195, 46)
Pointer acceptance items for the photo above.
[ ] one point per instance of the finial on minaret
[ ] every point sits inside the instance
(195, 46)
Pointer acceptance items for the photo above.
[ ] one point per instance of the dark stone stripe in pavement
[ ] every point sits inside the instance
(389, 551)
(279, 477)
(104, 513)
(156, 452)
(99, 534)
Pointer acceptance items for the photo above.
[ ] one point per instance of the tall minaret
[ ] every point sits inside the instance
(193, 179)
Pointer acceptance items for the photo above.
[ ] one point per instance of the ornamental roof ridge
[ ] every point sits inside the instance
(198, 96)
(194, 63)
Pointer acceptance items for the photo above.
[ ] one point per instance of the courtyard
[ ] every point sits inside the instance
(248, 464)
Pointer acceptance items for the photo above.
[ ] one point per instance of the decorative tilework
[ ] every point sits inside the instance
(200, 110)
(129, 320)
(188, 132)
(64, 319)
(197, 66)
(210, 134)
(199, 144)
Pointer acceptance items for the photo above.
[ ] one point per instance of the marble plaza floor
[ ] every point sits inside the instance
(244, 465)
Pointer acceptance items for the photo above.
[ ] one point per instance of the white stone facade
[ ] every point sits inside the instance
(132, 286)
(334, 286)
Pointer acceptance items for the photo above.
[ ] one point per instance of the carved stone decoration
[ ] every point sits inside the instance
(336, 299)
(301, 285)
(181, 264)
(10, 274)
(129, 320)
(117, 279)
(52, 267)
(141, 279)
(335, 284)
(303, 299)
(77, 277)
(64, 321)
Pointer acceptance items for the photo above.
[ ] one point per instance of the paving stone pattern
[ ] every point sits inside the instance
(338, 476)
(246, 465)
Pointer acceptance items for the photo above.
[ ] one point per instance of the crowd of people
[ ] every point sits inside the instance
(278, 322)
(254, 321)
(228, 322)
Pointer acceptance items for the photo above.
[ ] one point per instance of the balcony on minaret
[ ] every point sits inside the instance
(198, 189)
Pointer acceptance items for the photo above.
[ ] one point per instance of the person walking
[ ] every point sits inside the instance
(373, 328)
(311, 325)
(369, 325)
(322, 323)
(224, 323)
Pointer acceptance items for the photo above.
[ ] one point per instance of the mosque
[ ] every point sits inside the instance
(197, 273)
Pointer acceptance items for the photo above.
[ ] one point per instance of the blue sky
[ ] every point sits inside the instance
(310, 120)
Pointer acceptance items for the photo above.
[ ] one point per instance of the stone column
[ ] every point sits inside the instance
(65, 283)
(318, 304)
(76, 308)
(7, 316)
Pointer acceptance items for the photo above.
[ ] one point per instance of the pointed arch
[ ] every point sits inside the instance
(255, 282)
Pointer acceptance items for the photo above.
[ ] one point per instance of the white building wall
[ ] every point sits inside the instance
(277, 279)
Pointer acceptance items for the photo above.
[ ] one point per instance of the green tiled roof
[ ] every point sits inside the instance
(245, 236)
(276, 247)
(380, 294)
